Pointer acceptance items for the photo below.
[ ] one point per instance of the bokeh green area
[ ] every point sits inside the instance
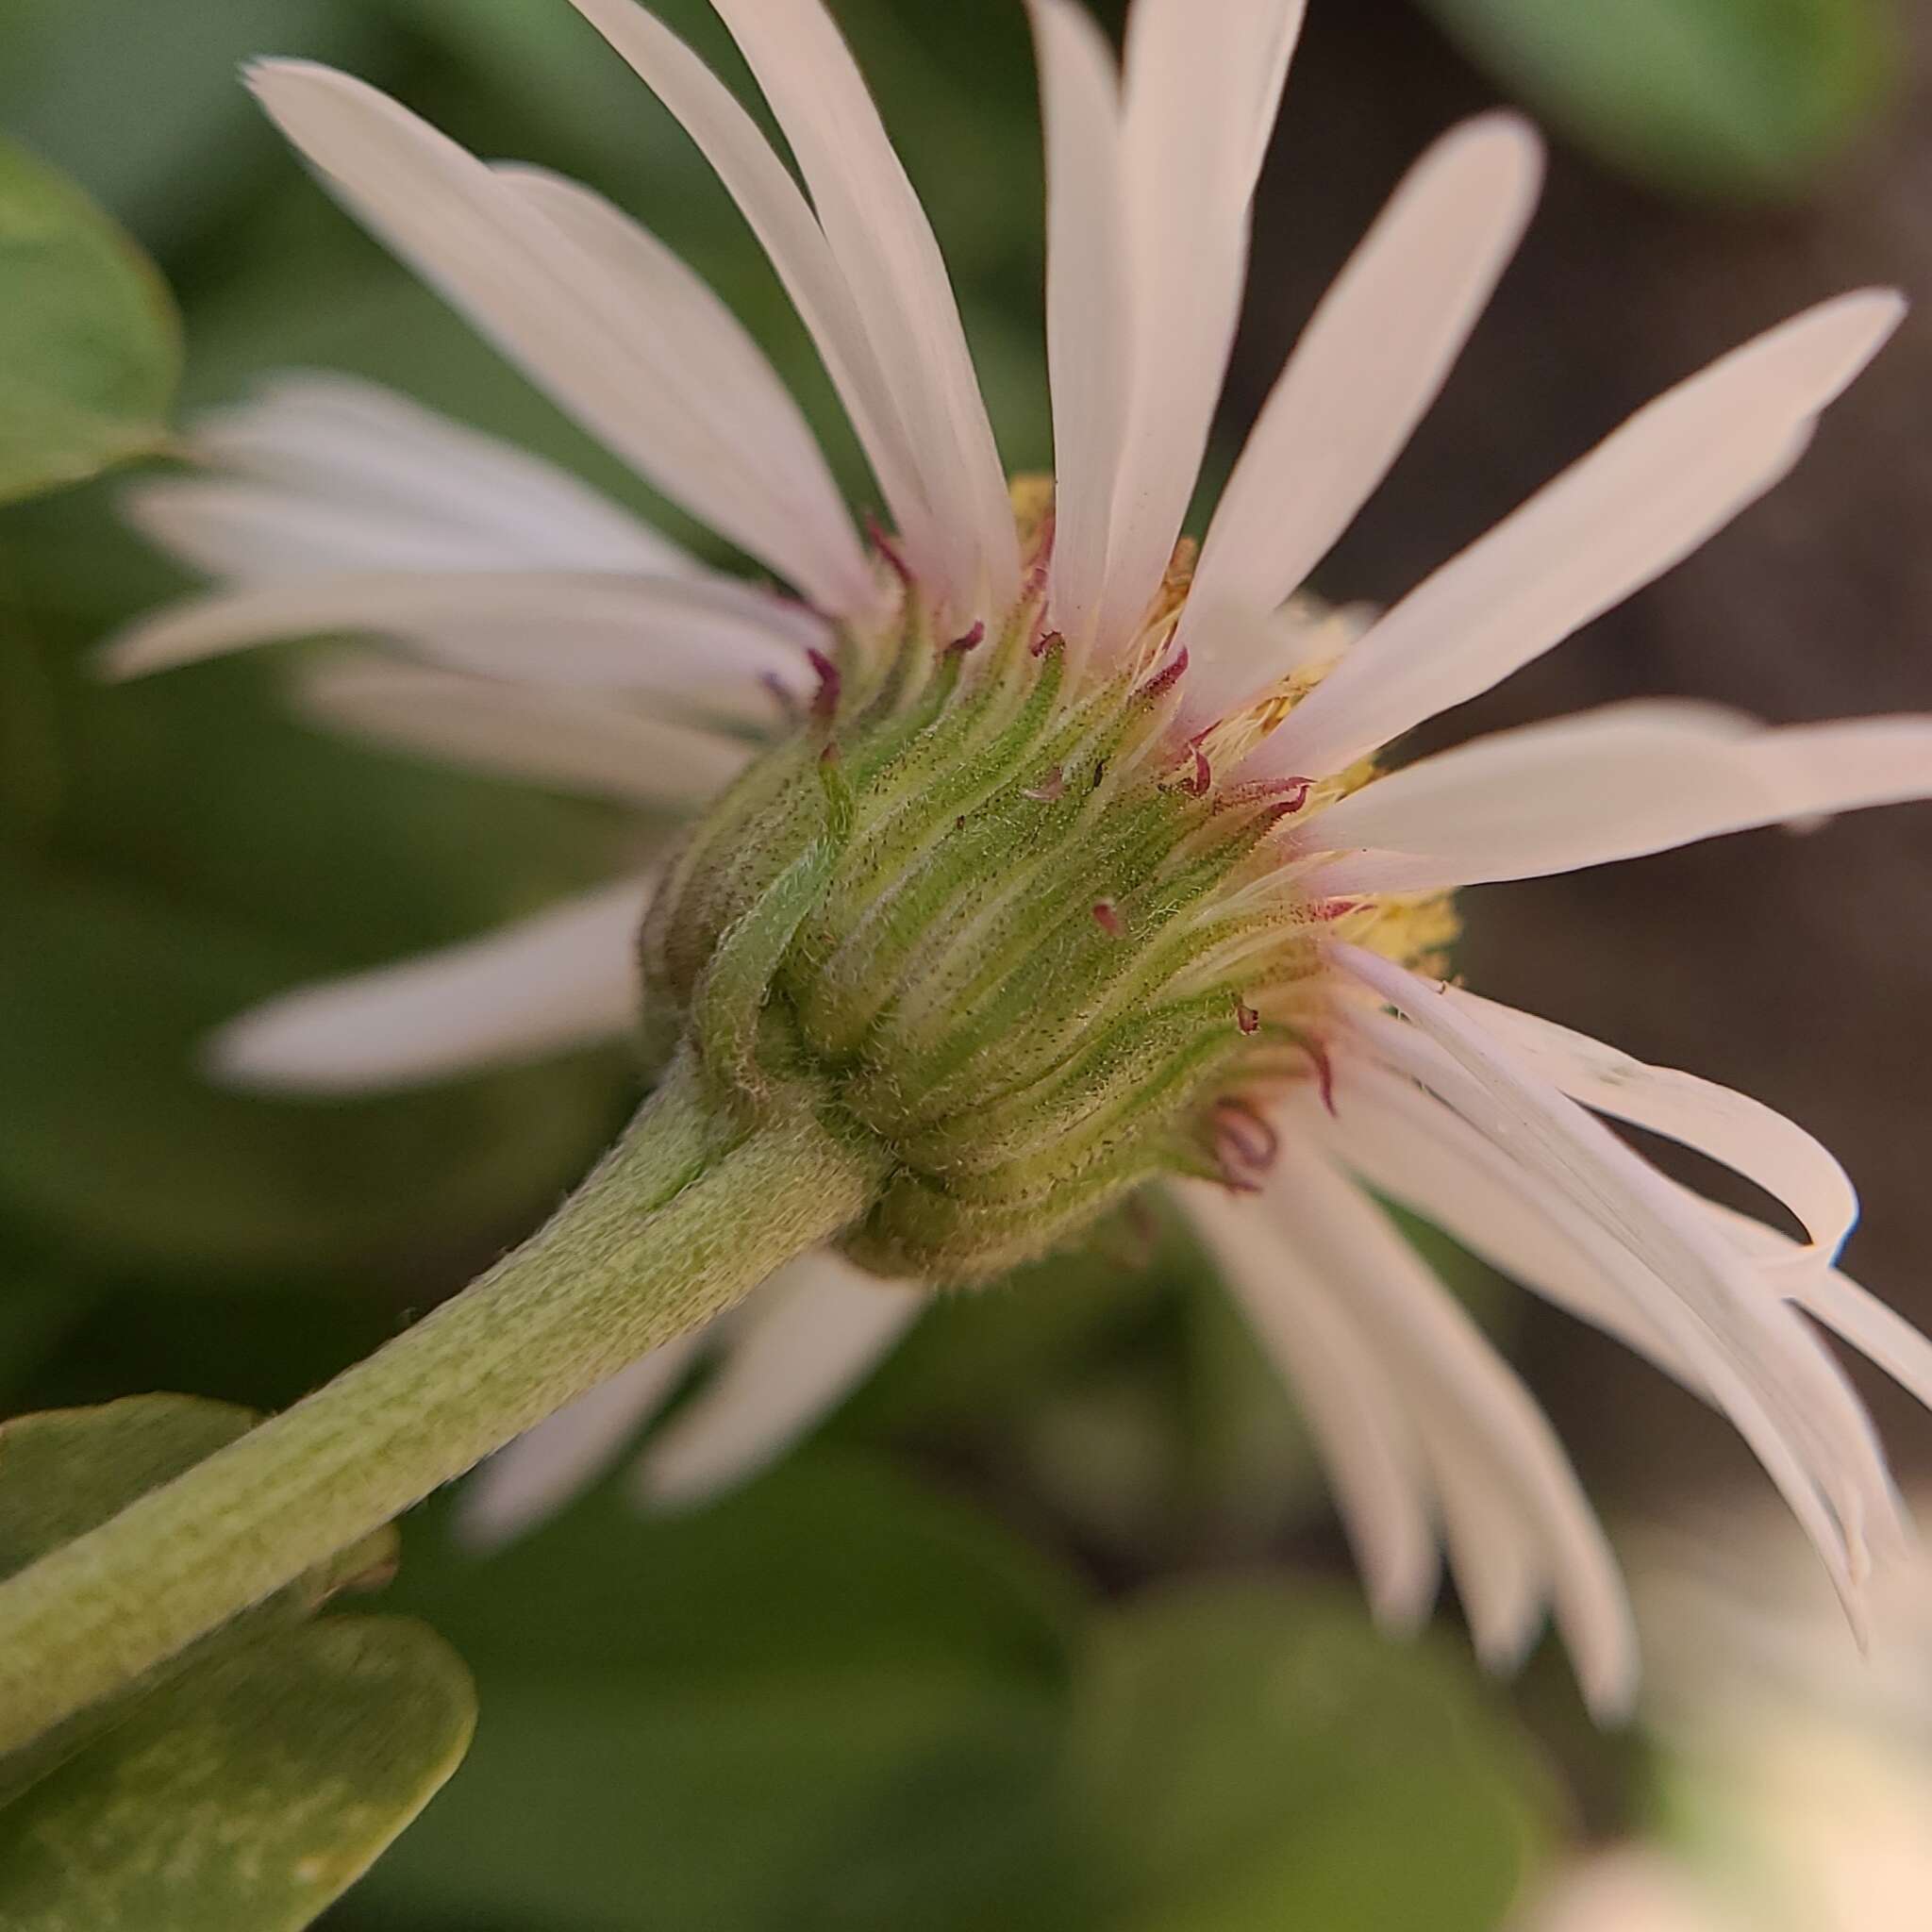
(1046, 1628)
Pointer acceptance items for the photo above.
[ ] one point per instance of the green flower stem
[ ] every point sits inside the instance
(685, 1216)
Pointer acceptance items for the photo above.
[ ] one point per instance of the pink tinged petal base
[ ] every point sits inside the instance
(1369, 363)
(1670, 478)
(813, 1332)
(567, 977)
(542, 1470)
(568, 315)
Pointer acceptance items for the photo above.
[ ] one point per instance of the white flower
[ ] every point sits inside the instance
(540, 630)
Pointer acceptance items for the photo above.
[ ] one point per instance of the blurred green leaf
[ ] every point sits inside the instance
(111, 1131)
(1251, 1758)
(1743, 99)
(188, 852)
(723, 1720)
(90, 343)
(246, 1795)
(145, 105)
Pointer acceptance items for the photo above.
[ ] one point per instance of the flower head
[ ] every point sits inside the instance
(1071, 859)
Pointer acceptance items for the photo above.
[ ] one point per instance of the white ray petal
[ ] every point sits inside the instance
(1877, 1331)
(731, 386)
(564, 978)
(1368, 366)
(1201, 98)
(1355, 1413)
(789, 232)
(569, 316)
(814, 1332)
(885, 246)
(1745, 1134)
(1606, 785)
(547, 1467)
(1501, 1439)
(1671, 476)
(707, 639)
(1500, 1573)
(572, 740)
(1767, 1373)
(1413, 1148)
(336, 441)
(1555, 1139)
(1847, 765)
(1085, 300)
(260, 533)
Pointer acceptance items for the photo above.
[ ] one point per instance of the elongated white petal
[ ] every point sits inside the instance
(1369, 364)
(259, 533)
(1555, 1139)
(789, 232)
(813, 1334)
(1200, 103)
(385, 473)
(1501, 1442)
(731, 389)
(885, 246)
(1745, 1134)
(1671, 476)
(1500, 1572)
(1847, 765)
(1413, 1148)
(543, 1469)
(1608, 785)
(1354, 1410)
(1765, 1370)
(1085, 300)
(1424, 1154)
(567, 314)
(1878, 1332)
(564, 978)
(706, 641)
(573, 740)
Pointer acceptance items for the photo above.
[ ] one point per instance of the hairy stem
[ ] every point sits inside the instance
(684, 1217)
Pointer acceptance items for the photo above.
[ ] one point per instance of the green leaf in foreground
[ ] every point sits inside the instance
(90, 344)
(247, 1787)
(1737, 99)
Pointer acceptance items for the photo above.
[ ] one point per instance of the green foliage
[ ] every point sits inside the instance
(248, 1794)
(1255, 1757)
(1743, 99)
(718, 1719)
(835, 1702)
(245, 1787)
(90, 343)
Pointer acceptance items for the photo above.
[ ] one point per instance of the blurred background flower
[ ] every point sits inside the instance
(1056, 1643)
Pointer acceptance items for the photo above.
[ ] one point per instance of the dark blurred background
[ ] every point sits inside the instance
(1086, 1458)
